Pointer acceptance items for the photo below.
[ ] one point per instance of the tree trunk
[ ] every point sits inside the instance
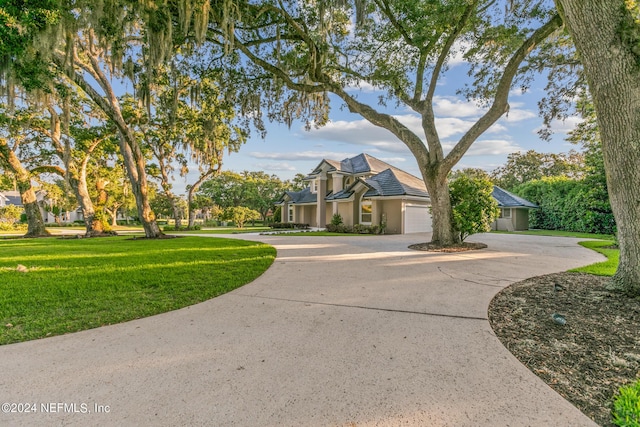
(35, 223)
(192, 190)
(442, 214)
(78, 184)
(177, 215)
(613, 73)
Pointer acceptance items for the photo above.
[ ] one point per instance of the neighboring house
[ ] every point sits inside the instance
(10, 198)
(365, 190)
(514, 211)
(13, 198)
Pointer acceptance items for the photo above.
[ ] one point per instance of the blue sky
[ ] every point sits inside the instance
(285, 152)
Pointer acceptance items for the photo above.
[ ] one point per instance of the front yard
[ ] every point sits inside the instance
(53, 286)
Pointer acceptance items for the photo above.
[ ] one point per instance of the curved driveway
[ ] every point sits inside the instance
(340, 331)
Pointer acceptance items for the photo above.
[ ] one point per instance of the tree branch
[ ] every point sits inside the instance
(500, 103)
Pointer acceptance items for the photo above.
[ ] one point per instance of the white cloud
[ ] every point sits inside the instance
(563, 126)
(492, 147)
(497, 128)
(456, 57)
(362, 86)
(450, 106)
(275, 167)
(516, 115)
(517, 92)
(299, 156)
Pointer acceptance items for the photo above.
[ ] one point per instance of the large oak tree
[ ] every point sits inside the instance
(403, 48)
(607, 38)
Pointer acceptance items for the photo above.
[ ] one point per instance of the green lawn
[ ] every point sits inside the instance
(77, 284)
(319, 233)
(222, 230)
(604, 268)
(560, 234)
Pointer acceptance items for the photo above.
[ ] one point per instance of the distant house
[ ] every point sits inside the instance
(10, 198)
(13, 198)
(514, 211)
(368, 191)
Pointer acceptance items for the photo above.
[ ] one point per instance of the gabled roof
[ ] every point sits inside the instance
(304, 196)
(363, 164)
(395, 182)
(358, 165)
(12, 198)
(509, 200)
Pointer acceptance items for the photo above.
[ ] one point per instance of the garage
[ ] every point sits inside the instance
(417, 219)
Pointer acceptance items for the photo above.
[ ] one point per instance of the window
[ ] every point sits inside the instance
(505, 213)
(314, 186)
(365, 212)
(290, 214)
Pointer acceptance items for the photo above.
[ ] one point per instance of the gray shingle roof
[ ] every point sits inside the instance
(304, 196)
(395, 182)
(362, 164)
(510, 200)
(12, 198)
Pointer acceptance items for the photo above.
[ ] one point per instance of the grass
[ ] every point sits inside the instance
(602, 245)
(604, 268)
(78, 284)
(223, 230)
(320, 233)
(559, 233)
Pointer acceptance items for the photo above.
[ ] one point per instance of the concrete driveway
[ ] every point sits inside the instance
(340, 331)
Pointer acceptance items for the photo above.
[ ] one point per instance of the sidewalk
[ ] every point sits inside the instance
(340, 331)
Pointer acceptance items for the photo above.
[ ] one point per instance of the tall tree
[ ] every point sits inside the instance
(89, 42)
(607, 38)
(75, 140)
(14, 134)
(401, 47)
(525, 167)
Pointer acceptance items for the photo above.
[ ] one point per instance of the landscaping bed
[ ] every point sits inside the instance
(588, 358)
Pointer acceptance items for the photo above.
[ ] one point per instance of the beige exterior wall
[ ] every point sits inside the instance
(392, 209)
(305, 214)
(520, 219)
(345, 209)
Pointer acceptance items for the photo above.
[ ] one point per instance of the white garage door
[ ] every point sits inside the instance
(417, 219)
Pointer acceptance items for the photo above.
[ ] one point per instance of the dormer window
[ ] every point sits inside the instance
(314, 186)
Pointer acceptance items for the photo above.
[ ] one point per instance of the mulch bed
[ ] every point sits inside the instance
(433, 247)
(588, 358)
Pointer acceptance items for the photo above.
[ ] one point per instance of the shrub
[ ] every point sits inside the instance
(336, 219)
(474, 208)
(626, 407)
(172, 228)
(12, 227)
(10, 214)
(289, 225)
(357, 228)
(569, 205)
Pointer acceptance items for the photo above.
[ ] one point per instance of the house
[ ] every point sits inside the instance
(10, 198)
(514, 211)
(365, 190)
(13, 198)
